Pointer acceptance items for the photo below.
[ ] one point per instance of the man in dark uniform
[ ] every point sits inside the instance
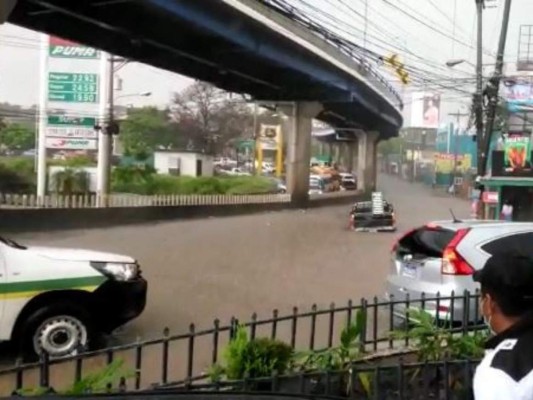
(506, 371)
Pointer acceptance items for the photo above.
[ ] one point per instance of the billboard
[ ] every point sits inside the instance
(446, 163)
(517, 152)
(518, 94)
(425, 110)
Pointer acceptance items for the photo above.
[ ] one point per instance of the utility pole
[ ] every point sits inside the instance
(104, 140)
(478, 96)
(458, 116)
(106, 132)
(494, 86)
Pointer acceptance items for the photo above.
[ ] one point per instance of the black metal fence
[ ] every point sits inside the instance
(185, 358)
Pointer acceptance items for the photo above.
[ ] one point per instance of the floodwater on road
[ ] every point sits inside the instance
(202, 269)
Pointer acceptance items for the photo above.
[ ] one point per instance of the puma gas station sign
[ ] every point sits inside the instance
(62, 48)
(71, 143)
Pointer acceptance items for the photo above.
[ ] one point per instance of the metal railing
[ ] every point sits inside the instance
(352, 50)
(185, 358)
(128, 200)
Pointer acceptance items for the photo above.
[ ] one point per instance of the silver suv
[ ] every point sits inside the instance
(438, 260)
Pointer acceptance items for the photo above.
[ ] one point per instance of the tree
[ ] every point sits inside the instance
(17, 137)
(208, 118)
(394, 145)
(147, 129)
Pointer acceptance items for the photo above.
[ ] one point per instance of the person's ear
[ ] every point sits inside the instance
(488, 305)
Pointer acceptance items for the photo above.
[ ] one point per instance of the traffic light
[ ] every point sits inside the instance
(398, 66)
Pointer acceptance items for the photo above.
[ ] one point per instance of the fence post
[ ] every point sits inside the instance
(294, 326)
(216, 334)
(44, 371)
(313, 327)
(164, 358)
(364, 312)
(190, 358)
(331, 324)
(275, 314)
(253, 326)
(138, 363)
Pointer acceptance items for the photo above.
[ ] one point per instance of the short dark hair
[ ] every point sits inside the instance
(508, 278)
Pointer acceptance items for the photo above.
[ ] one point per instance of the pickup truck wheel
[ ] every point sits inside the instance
(57, 330)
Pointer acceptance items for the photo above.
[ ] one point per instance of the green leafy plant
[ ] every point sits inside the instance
(252, 358)
(341, 358)
(437, 343)
(97, 382)
(336, 358)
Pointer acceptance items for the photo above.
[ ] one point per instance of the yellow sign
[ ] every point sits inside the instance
(270, 138)
(445, 163)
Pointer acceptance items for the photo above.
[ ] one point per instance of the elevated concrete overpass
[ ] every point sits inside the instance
(244, 46)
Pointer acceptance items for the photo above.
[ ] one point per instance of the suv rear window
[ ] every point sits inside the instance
(519, 242)
(425, 242)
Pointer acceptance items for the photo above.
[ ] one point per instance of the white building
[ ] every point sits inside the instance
(183, 163)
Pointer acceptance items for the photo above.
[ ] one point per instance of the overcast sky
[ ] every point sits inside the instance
(425, 44)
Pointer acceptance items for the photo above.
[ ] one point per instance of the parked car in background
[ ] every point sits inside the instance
(234, 172)
(58, 300)
(348, 181)
(281, 187)
(441, 257)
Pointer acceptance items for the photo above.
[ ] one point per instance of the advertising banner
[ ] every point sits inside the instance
(518, 94)
(425, 110)
(71, 144)
(445, 163)
(517, 150)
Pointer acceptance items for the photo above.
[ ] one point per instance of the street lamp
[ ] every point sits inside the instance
(454, 63)
(141, 94)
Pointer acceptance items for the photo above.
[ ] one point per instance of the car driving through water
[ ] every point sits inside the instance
(58, 301)
(439, 259)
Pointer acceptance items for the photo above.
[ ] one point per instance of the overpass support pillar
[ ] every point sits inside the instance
(367, 160)
(299, 150)
(350, 153)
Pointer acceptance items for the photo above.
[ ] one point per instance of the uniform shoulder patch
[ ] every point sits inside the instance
(514, 357)
(507, 344)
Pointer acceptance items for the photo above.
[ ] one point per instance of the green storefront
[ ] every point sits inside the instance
(511, 178)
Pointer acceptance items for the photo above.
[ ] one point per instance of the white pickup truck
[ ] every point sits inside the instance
(56, 301)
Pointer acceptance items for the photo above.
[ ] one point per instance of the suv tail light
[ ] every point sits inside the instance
(452, 262)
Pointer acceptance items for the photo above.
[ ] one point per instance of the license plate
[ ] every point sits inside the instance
(410, 270)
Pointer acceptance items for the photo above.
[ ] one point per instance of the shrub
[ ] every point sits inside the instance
(17, 177)
(255, 358)
(145, 182)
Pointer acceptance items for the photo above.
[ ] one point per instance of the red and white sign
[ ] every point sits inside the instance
(71, 143)
(62, 48)
(491, 197)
